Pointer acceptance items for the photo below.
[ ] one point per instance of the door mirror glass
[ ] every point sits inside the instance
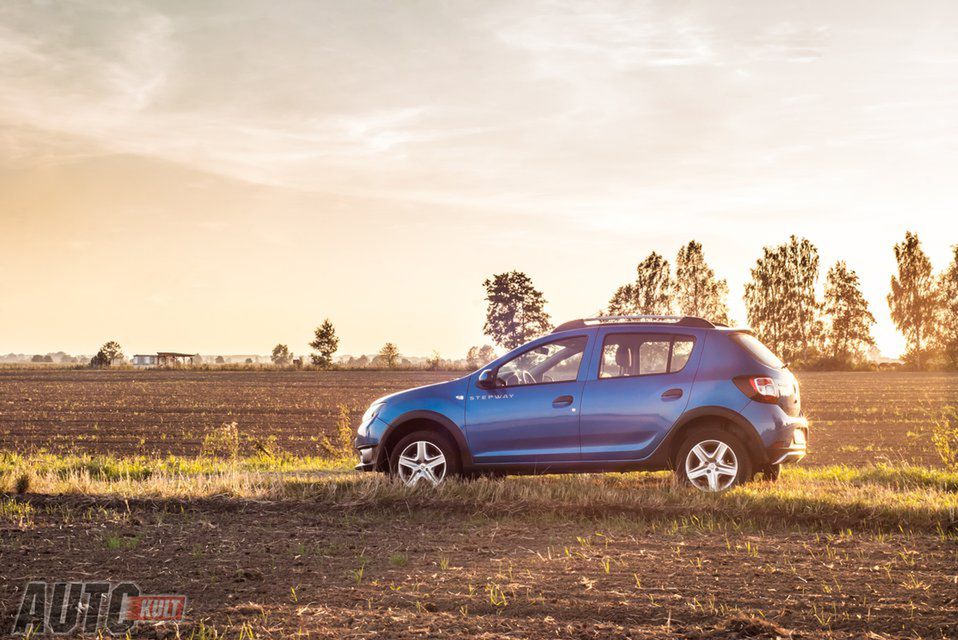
(486, 379)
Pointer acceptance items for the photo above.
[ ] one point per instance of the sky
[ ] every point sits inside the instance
(218, 177)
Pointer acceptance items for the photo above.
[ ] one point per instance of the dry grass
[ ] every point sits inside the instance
(881, 497)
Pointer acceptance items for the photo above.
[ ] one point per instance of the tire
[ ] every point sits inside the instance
(771, 472)
(712, 460)
(424, 457)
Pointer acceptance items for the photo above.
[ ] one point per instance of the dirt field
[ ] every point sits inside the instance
(825, 552)
(634, 557)
(857, 418)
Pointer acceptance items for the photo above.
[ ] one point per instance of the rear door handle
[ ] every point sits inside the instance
(672, 394)
(562, 401)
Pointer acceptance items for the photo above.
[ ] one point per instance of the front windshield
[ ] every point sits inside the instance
(551, 362)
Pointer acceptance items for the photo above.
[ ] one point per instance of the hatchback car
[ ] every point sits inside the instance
(618, 393)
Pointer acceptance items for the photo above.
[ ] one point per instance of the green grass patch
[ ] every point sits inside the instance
(105, 467)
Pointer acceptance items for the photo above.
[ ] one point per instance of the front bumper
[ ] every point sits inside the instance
(367, 459)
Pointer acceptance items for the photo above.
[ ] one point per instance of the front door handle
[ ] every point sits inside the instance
(562, 401)
(672, 394)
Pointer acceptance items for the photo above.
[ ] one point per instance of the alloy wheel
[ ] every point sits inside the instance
(711, 465)
(421, 460)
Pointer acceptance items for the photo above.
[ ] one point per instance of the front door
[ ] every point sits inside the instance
(640, 388)
(532, 415)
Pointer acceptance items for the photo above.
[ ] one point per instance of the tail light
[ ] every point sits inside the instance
(759, 388)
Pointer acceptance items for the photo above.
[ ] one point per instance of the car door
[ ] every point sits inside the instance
(532, 415)
(638, 386)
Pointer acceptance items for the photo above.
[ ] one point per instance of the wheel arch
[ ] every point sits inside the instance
(422, 420)
(722, 417)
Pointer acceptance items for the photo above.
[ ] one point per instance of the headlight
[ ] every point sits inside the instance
(372, 412)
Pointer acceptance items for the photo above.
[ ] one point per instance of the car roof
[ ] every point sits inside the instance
(661, 321)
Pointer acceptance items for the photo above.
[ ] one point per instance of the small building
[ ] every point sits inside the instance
(165, 359)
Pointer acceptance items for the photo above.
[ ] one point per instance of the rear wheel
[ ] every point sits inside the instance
(424, 457)
(712, 460)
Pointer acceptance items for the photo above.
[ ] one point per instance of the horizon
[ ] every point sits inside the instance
(221, 178)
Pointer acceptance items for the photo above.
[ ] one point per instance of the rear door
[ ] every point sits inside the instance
(637, 387)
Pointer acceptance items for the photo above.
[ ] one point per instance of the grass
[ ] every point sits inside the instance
(828, 498)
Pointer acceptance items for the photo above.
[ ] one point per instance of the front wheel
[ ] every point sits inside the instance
(423, 456)
(712, 460)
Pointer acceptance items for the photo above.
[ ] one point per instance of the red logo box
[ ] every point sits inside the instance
(161, 608)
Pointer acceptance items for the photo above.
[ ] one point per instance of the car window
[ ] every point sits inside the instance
(653, 357)
(758, 350)
(681, 352)
(557, 361)
(641, 354)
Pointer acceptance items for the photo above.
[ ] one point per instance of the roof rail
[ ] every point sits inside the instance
(681, 321)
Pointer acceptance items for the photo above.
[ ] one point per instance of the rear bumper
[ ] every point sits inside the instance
(792, 445)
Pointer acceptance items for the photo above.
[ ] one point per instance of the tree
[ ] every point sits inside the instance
(36, 359)
(780, 299)
(220, 360)
(389, 355)
(913, 300)
(946, 336)
(650, 294)
(697, 291)
(849, 320)
(107, 354)
(478, 356)
(325, 344)
(281, 356)
(486, 354)
(516, 309)
(435, 361)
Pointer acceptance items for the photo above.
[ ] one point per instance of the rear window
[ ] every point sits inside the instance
(758, 350)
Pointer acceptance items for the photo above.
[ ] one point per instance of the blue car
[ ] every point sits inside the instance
(619, 393)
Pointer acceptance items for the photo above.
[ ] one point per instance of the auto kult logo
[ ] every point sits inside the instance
(61, 608)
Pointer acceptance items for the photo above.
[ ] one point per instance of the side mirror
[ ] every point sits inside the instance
(486, 379)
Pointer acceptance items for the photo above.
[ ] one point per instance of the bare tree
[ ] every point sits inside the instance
(849, 320)
(325, 344)
(780, 299)
(697, 291)
(516, 311)
(107, 354)
(946, 336)
(281, 356)
(650, 294)
(478, 356)
(389, 355)
(913, 299)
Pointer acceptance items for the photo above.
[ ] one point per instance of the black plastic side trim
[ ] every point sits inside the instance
(450, 427)
(661, 457)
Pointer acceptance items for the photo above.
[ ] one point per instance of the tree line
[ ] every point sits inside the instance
(781, 301)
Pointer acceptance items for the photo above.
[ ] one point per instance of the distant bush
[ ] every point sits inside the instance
(222, 442)
(22, 484)
(944, 435)
(341, 446)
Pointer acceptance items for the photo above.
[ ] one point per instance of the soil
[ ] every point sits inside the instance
(856, 418)
(301, 568)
